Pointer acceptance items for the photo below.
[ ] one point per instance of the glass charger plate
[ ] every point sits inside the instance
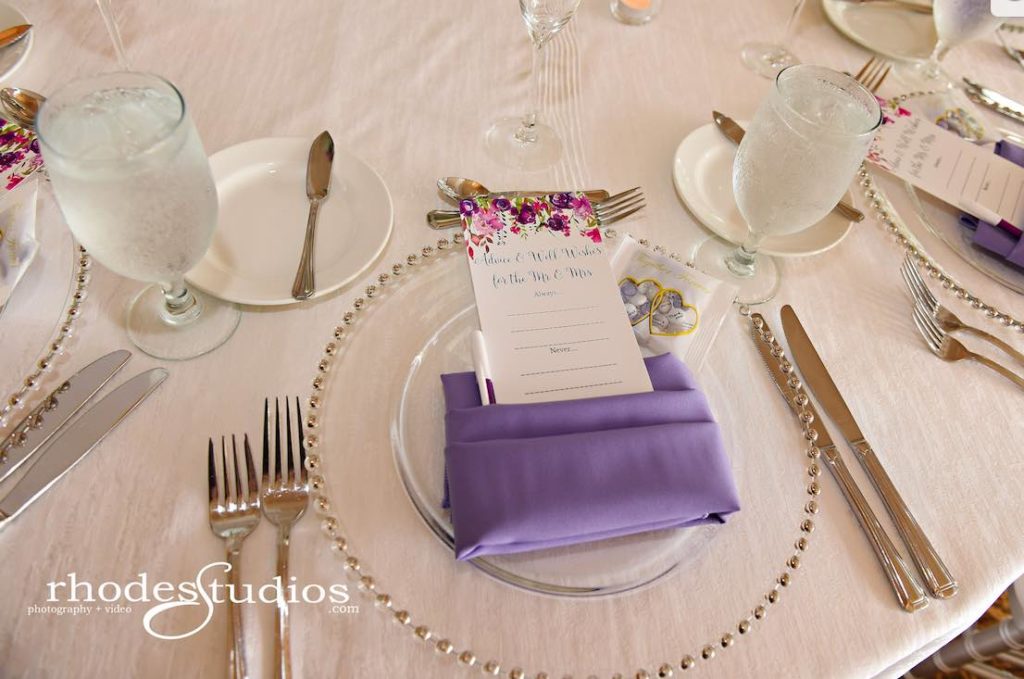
(372, 532)
(36, 308)
(435, 340)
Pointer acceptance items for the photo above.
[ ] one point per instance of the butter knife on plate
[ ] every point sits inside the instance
(74, 442)
(1000, 103)
(908, 592)
(735, 133)
(11, 35)
(318, 183)
(937, 578)
(43, 421)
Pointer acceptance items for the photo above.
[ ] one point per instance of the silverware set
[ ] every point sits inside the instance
(608, 211)
(937, 579)
(935, 323)
(48, 441)
(282, 497)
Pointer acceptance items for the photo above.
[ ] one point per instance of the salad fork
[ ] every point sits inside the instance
(945, 318)
(948, 349)
(873, 73)
(285, 497)
(233, 516)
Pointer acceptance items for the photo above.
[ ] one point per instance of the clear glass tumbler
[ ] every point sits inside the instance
(134, 184)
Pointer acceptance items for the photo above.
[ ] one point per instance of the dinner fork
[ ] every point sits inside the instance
(948, 349)
(233, 515)
(285, 497)
(873, 73)
(945, 318)
(608, 211)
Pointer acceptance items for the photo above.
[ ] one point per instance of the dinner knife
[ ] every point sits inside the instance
(57, 408)
(734, 132)
(11, 35)
(77, 440)
(999, 103)
(936, 576)
(318, 183)
(908, 591)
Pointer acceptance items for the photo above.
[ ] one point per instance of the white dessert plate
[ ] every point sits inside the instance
(884, 28)
(13, 56)
(702, 173)
(261, 186)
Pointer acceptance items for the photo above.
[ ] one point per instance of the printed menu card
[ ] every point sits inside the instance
(950, 168)
(549, 308)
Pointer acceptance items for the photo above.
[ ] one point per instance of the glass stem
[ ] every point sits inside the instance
(527, 132)
(180, 305)
(743, 261)
(934, 68)
(787, 32)
(115, 33)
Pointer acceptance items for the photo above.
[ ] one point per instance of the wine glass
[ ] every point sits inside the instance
(110, 21)
(525, 143)
(134, 184)
(956, 22)
(800, 154)
(768, 58)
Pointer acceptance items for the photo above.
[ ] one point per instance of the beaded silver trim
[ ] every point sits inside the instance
(902, 235)
(56, 346)
(367, 585)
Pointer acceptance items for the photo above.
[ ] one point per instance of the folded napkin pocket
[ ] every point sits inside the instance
(990, 236)
(534, 476)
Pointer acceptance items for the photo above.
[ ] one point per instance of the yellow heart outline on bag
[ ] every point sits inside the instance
(683, 306)
(638, 283)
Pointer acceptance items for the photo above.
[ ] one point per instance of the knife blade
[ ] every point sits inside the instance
(318, 184)
(43, 421)
(906, 588)
(999, 103)
(75, 442)
(939, 581)
(11, 35)
(735, 133)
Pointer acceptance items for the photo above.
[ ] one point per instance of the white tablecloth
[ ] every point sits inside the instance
(410, 87)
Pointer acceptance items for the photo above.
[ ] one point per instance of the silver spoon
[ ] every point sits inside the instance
(21, 106)
(456, 189)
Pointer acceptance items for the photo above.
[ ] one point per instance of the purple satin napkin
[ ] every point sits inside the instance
(532, 476)
(990, 236)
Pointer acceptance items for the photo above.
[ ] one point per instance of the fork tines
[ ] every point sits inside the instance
(222, 499)
(275, 475)
(931, 332)
(873, 73)
(918, 289)
(619, 206)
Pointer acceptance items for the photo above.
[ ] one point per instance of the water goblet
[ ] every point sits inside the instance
(804, 146)
(526, 143)
(956, 22)
(131, 177)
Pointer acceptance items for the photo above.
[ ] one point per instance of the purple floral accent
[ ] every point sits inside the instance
(558, 222)
(561, 200)
(489, 222)
(527, 214)
(19, 154)
(581, 207)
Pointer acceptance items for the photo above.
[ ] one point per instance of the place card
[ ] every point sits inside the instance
(549, 308)
(952, 169)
